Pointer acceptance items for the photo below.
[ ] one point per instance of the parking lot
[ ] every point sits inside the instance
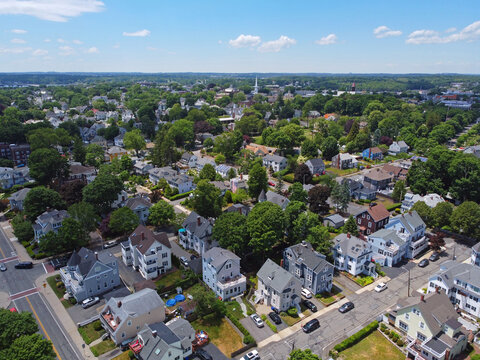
(258, 334)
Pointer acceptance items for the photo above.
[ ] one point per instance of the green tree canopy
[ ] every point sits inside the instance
(208, 172)
(317, 198)
(350, 226)
(14, 325)
(102, 191)
(29, 347)
(207, 303)
(306, 354)
(85, 214)
(46, 165)
(399, 191)
(257, 180)
(230, 230)
(39, 199)
(441, 214)
(134, 140)
(265, 225)
(206, 200)
(123, 221)
(465, 219)
(297, 193)
(329, 148)
(424, 211)
(94, 156)
(161, 213)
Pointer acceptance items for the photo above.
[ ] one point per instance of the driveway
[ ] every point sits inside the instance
(128, 274)
(177, 250)
(348, 286)
(258, 334)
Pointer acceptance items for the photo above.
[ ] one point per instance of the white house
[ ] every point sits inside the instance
(388, 248)
(189, 160)
(353, 255)
(221, 272)
(411, 228)
(430, 199)
(397, 148)
(316, 166)
(276, 162)
(196, 233)
(140, 206)
(49, 221)
(223, 170)
(277, 287)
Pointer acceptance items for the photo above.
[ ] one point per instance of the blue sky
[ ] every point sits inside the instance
(399, 36)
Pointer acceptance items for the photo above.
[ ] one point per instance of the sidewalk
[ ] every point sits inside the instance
(19, 249)
(61, 313)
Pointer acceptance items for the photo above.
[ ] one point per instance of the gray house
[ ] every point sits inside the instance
(17, 198)
(353, 255)
(310, 267)
(334, 220)
(275, 198)
(196, 233)
(140, 206)
(276, 162)
(90, 274)
(221, 272)
(48, 221)
(316, 166)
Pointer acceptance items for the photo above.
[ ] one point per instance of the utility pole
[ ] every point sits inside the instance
(408, 284)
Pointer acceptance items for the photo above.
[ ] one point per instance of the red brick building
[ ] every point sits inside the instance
(373, 218)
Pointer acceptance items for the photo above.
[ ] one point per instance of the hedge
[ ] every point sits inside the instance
(393, 206)
(288, 178)
(271, 326)
(355, 338)
(247, 339)
(179, 196)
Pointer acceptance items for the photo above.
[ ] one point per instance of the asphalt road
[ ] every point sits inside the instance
(20, 285)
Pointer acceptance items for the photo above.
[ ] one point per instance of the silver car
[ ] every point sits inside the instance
(257, 320)
(90, 301)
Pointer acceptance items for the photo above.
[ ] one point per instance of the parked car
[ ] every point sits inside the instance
(58, 263)
(423, 263)
(310, 305)
(252, 355)
(109, 244)
(124, 344)
(271, 183)
(13, 309)
(275, 318)
(3, 267)
(434, 257)
(24, 265)
(380, 287)
(184, 260)
(193, 257)
(202, 354)
(311, 326)
(90, 301)
(306, 293)
(346, 307)
(256, 319)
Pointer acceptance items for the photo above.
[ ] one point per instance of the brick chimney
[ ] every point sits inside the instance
(154, 333)
(143, 235)
(422, 298)
(199, 221)
(349, 236)
(96, 255)
(119, 304)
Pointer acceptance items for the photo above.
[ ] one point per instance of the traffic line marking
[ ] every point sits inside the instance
(1, 251)
(23, 294)
(9, 259)
(43, 328)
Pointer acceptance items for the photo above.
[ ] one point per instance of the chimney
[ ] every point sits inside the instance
(143, 235)
(199, 221)
(422, 298)
(241, 176)
(349, 236)
(96, 255)
(119, 304)
(154, 333)
(281, 263)
(437, 289)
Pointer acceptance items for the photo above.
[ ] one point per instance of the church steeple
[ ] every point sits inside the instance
(255, 88)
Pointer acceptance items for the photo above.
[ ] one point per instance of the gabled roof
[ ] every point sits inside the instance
(378, 174)
(143, 238)
(351, 245)
(450, 270)
(217, 257)
(410, 221)
(278, 199)
(389, 235)
(304, 254)
(85, 259)
(19, 195)
(274, 276)
(317, 162)
(377, 212)
(275, 158)
(335, 218)
(198, 225)
(136, 304)
(53, 216)
(133, 203)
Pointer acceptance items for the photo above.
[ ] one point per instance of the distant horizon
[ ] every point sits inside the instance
(235, 73)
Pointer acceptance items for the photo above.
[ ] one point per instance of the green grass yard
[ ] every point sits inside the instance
(59, 291)
(88, 332)
(374, 346)
(103, 347)
(170, 278)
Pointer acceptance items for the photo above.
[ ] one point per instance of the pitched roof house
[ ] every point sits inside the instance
(140, 206)
(316, 166)
(353, 255)
(398, 147)
(196, 233)
(373, 153)
(378, 179)
(275, 198)
(17, 198)
(373, 218)
(50, 220)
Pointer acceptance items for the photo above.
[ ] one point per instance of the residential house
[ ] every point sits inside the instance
(343, 161)
(277, 287)
(373, 153)
(475, 150)
(275, 198)
(223, 186)
(353, 255)
(140, 206)
(122, 318)
(50, 220)
(17, 153)
(155, 174)
(377, 179)
(388, 248)
(411, 228)
(238, 183)
(335, 221)
(148, 253)
(142, 167)
(373, 218)
(121, 199)
(221, 273)
(398, 147)
(116, 152)
(316, 166)
(90, 273)
(189, 160)
(224, 170)
(202, 161)
(276, 162)
(183, 183)
(431, 326)
(99, 140)
(461, 283)
(17, 198)
(358, 190)
(240, 208)
(476, 254)
(309, 266)
(10, 177)
(260, 150)
(160, 341)
(398, 172)
(118, 140)
(196, 233)
(80, 172)
(430, 199)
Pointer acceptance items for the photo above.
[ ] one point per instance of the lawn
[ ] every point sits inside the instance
(170, 279)
(234, 308)
(89, 333)
(103, 347)
(331, 297)
(374, 346)
(59, 291)
(123, 356)
(341, 172)
(221, 333)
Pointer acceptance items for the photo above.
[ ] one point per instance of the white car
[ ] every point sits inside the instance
(90, 301)
(306, 293)
(109, 244)
(380, 287)
(256, 319)
(184, 261)
(252, 355)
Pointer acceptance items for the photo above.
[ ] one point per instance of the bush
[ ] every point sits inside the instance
(30, 251)
(60, 285)
(387, 331)
(400, 343)
(271, 326)
(383, 326)
(40, 255)
(131, 355)
(97, 325)
(264, 317)
(393, 206)
(355, 338)
(288, 178)
(293, 312)
(179, 196)
(248, 340)
(72, 300)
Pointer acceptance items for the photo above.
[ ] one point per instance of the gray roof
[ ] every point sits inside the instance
(274, 276)
(19, 195)
(85, 259)
(133, 203)
(191, 223)
(410, 220)
(217, 257)
(389, 235)
(351, 245)
(316, 162)
(278, 199)
(450, 270)
(141, 302)
(276, 158)
(304, 254)
(180, 327)
(476, 247)
(52, 216)
(335, 218)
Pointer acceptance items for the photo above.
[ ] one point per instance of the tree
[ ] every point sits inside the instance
(317, 198)
(465, 219)
(257, 180)
(265, 225)
(161, 213)
(46, 165)
(181, 131)
(229, 144)
(208, 172)
(292, 212)
(424, 211)
(297, 193)
(279, 185)
(14, 325)
(29, 347)
(85, 214)
(71, 191)
(207, 303)
(309, 149)
(232, 173)
(102, 191)
(230, 230)
(51, 244)
(441, 214)
(302, 225)
(306, 354)
(350, 226)
(341, 196)
(95, 155)
(164, 150)
(437, 241)
(207, 201)
(79, 151)
(302, 174)
(134, 140)
(123, 221)
(399, 191)
(22, 229)
(72, 234)
(329, 148)
(40, 199)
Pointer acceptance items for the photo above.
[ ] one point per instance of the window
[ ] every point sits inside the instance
(416, 311)
(164, 255)
(403, 326)
(129, 322)
(420, 336)
(369, 224)
(422, 325)
(359, 221)
(407, 316)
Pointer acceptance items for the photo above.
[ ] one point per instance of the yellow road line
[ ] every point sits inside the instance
(41, 325)
(3, 254)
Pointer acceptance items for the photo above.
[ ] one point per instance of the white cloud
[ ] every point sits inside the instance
(19, 31)
(61, 41)
(384, 31)
(116, 46)
(92, 50)
(468, 33)
(277, 45)
(66, 50)
(77, 42)
(14, 50)
(151, 48)
(327, 40)
(47, 40)
(245, 41)
(40, 52)
(140, 33)
(18, 41)
(52, 10)
(450, 30)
